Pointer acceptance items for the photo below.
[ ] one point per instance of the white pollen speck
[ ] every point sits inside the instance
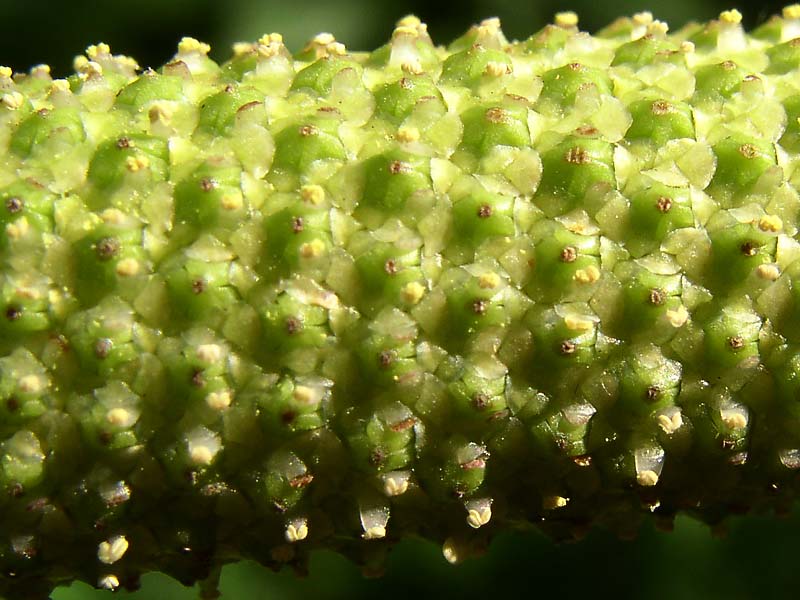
(112, 550)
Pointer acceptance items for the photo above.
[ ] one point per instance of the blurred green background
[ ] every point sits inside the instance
(757, 559)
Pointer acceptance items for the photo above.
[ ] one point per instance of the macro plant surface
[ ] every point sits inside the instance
(337, 299)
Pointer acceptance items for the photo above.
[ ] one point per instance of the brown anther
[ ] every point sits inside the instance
(748, 150)
(586, 130)
(207, 184)
(496, 115)
(749, 248)
(406, 83)
(248, 106)
(660, 108)
(390, 266)
(663, 204)
(123, 143)
(403, 425)
(475, 463)
(293, 325)
(197, 379)
(479, 307)
(107, 248)
(288, 416)
(480, 400)
(12, 404)
(735, 343)
(566, 348)
(297, 224)
(14, 204)
(484, 211)
(728, 65)
(575, 66)
(750, 78)
(385, 359)
(582, 461)
(653, 393)
(376, 457)
(328, 110)
(568, 254)
(577, 156)
(13, 313)
(105, 437)
(102, 348)
(398, 166)
(308, 130)
(198, 286)
(656, 297)
(229, 89)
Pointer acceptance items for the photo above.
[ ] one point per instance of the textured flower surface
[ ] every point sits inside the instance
(338, 299)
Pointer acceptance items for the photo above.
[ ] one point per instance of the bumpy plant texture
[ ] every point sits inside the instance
(337, 299)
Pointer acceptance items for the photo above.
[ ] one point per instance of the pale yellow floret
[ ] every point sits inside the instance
(312, 193)
(687, 47)
(6, 72)
(566, 19)
(554, 502)
(657, 28)
(770, 223)
(270, 38)
(242, 48)
(219, 400)
(478, 518)
(642, 18)
(409, 21)
(488, 280)
(296, 533)
(395, 486)
(209, 353)
(588, 275)
(18, 228)
(40, 70)
(60, 86)
(127, 267)
(323, 39)
(407, 134)
(412, 68)
(90, 69)
(117, 417)
(79, 63)
(792, 11)
(578, 323)
(313, 249)
(189, 45)
(96, 50)
(303, 395)
(231, 201)
(137, 163)
(160, 112)
(113, 216)
(404, 30)
(413, 292)
(769, 272)
(497, 69)
(450, 551)
(30, 384)
(730, 17)
(374, 533)
(670, 424)
(113, 549)
(678, 317)
(12, 100)
(108, 582)
(734, 420)
(489, 27)
(647, 478)
(336, 48)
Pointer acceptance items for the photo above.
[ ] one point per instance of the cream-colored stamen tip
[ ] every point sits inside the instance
(96, 50)
(478, 518)
(374, 533)
(12, 100)
(553, 502)
(313, 194)
(670, 425)
(209, 353)
(497, 69)
(678, 317)
(113, 216)
(409, 21)
(313, 249)
(412, 68)
(413, 292)
(588, 275)
(108, 582)
(450, 551)
(112, 550)
(407, 134)
(336, 48)
(135, 164)
(40, 70)
(792, 11)
(323, 39)
(59, 85)
(657, 28)
(642, 18)
(735, 420)
(117, 417)
(771, 223)
(127, 267)
(6, 72)
(30, 384)
(687, 47)
(201, 455)
(394, 486)
(231, 201)
(768, 271)
(405, 30)
(160, 112)
(578, 323)
(190, 45)
(18, 228)
(270, 38)
(303, 394)
(219, 400)
(566, 19)
(489, 280)
(732, 17)
(647, 478)
(489, 26)
(295, 534)
(242, 48)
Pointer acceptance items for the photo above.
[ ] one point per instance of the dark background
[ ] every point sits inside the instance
(759, 556)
